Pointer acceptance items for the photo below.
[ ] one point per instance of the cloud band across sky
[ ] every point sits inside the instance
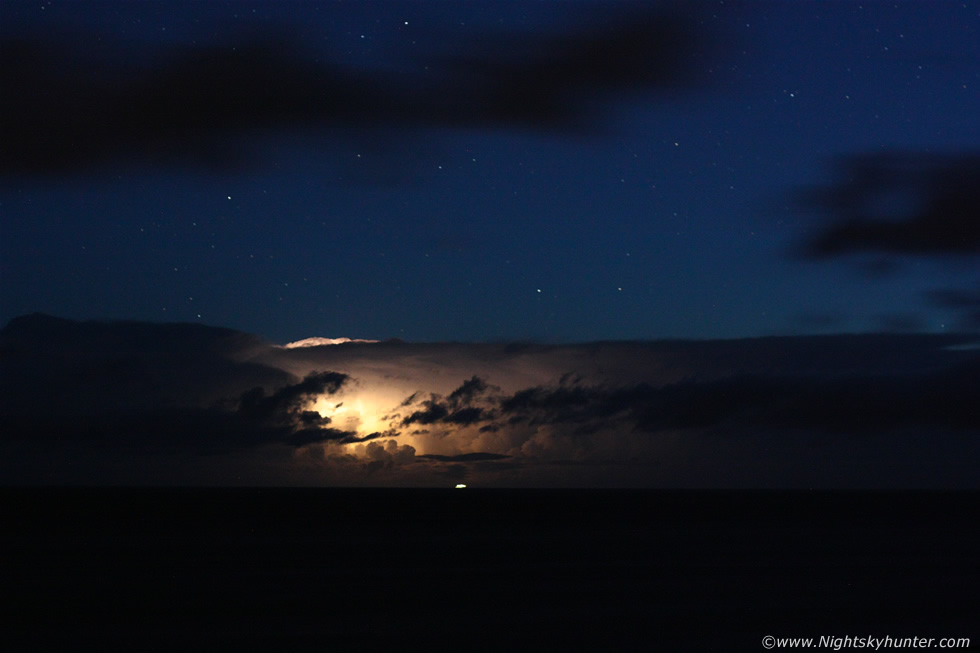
(833, 411)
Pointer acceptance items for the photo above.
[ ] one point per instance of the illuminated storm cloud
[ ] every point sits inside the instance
(164, 404)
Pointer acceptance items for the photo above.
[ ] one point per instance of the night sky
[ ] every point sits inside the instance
(493, 173)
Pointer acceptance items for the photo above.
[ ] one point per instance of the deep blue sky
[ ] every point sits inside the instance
(493, 171)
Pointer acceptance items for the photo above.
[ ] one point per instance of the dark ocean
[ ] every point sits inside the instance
(478, 569)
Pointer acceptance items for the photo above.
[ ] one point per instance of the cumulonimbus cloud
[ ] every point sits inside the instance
(398, 413)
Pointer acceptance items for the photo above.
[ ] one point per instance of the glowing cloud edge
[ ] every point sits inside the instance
(320, 342)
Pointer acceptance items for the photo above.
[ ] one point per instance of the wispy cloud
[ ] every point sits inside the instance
(899, 204)
(71, 107)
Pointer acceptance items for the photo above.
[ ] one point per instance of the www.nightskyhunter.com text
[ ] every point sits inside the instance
(874, 643)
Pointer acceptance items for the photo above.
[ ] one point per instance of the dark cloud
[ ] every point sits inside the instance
(850, 404)
(468, 391)
(165, 386)
(74, 103)
(286, 402)
(465, 458)
(456, 408)
(562, 402)
(465, 416)
(434, 411)
(454, 472)
(387, 455)
(409, 400)
(868, 395)
(900, 204)
(313, 418)
(283, 416)
(847, 405)
(556, 81)
(64, 367)
(838, 398)
(305, 436)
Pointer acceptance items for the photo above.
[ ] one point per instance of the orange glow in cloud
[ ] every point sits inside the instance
(360, 412)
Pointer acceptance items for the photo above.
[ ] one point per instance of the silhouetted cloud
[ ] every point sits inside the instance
(463, 416)
(70, 107)
(841, 399)
(900, 204)
(286, 402)
(152, 385)
(454, 409)
(466, 457)
(469, 390)
(851, 404)
(434, 411)
(95, 366)
(305, 436)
